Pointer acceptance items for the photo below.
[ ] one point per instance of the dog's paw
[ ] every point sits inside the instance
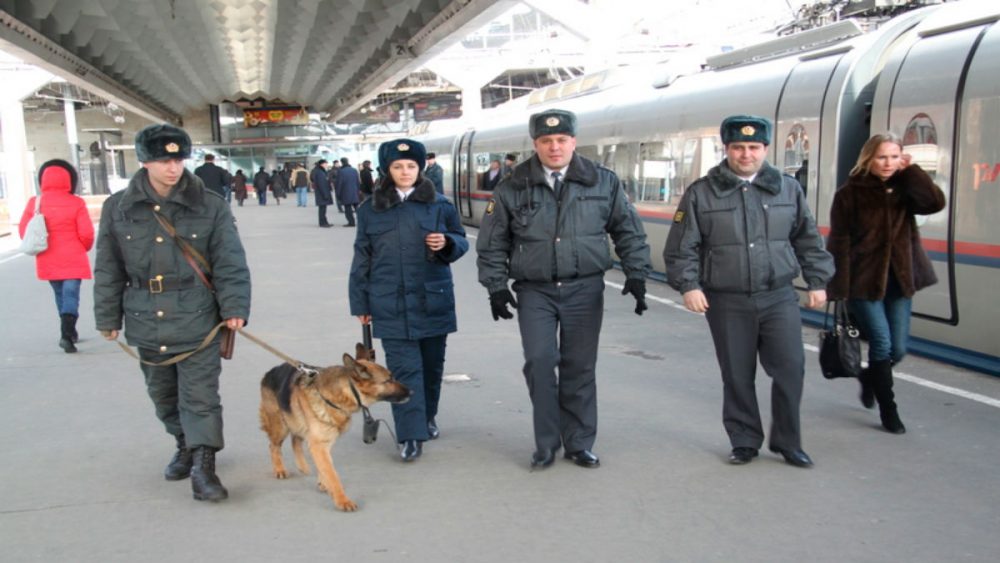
(320, 487)
(280, 474)
(347, 505)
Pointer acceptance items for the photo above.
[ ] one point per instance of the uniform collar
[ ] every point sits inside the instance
(724, 181)
(386, 196)
(581, 171)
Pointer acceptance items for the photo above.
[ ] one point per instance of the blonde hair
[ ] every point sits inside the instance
(868, 151)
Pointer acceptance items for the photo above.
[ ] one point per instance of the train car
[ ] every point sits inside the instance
(929, 75)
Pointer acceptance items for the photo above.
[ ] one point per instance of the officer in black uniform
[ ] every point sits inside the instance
(547, 228)
(739, 238)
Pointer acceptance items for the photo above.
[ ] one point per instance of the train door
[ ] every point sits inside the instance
(462, 175)
(796, 141)
(920, 96)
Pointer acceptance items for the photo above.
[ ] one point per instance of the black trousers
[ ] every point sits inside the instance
(322, 215)
(765, 326)
(560, 327)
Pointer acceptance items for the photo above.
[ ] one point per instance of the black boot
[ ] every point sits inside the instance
(867, 391)
(881, 379)
(180, 466)
(67, 330)
(205, 483)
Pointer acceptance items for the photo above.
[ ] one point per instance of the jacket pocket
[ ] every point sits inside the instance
(439, 298)
(384, 301)
(721, 225)
(780, 220)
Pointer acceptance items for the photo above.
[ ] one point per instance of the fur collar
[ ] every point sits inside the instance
(386, 196)
(723, 181)
(581, 171)
(189, 191)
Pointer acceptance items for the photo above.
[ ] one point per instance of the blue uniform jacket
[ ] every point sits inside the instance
(406, 288)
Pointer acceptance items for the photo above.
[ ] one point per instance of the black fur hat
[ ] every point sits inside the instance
(745, 129)
(162, 142)
(58, 163)
(401, 149)
(552, 122)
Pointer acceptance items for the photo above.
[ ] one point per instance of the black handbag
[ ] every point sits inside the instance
(839, 345)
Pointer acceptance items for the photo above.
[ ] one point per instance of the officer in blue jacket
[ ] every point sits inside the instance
(408, 236)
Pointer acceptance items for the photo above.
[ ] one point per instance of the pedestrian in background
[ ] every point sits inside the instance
(400, 282)
(214, 177)
(435, 173)
(64, 264)
(278, 185)
(348, 189)
(880, 261)
(739, 238)
(320, 182)
(144, 278)
(300, 181)
(240, 186)
(547, 228)
(367, 180)
(260, 181)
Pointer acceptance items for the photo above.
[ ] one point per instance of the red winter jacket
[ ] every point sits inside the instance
(71, 232)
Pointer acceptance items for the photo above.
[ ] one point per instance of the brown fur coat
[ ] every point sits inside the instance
(872, 229)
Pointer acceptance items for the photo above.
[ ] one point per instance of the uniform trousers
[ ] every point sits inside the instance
(186, 394)
(560, 326)
(418, 364)
(765, 325)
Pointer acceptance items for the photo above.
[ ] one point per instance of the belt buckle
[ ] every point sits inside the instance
(156, 285)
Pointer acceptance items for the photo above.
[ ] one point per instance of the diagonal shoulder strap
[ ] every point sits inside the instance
(191, 255)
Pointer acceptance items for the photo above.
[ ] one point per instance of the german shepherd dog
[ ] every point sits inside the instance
(315, 405)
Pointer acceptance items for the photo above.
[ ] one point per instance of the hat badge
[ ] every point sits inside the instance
(402, 147)
(748, 130)
(172, 147)
(552, 121)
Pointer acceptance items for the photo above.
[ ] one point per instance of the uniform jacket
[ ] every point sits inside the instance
(527, 236)
(873, 230)
(395, 278)
(321, 185)
(731, 236)
(71, 233)
(214, 177)
(435, 174)
(132, 249)
(348, 185)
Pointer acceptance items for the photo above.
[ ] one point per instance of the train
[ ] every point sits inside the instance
(931, 75)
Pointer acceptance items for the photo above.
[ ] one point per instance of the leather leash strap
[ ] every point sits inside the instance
(179, 357)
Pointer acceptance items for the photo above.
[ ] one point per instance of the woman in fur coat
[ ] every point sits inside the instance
(880, 260)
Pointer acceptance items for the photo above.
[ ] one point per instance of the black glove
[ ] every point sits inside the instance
(498, 303)
(638, 290)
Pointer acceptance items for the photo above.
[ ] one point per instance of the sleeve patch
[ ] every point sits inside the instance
(678, 216)
(490, 206)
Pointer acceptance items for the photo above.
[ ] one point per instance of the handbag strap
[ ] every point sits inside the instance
(38, 204)
(191, 255)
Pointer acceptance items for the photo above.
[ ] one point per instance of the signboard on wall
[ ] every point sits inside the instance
(258, 117)
(437, 107)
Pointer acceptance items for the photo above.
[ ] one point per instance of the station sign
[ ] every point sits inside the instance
(258, 117)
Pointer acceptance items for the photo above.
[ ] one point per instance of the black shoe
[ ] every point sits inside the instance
(543, 458)
(325, 226)
(180, 465)
(798, 458)
(891, 421)
(742, 455)
(205, 484)
(583, 458)
(432, 429)
(66, 331)
(350, 225)
(411, 450)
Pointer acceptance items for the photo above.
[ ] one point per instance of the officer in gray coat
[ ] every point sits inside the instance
(141, 277)
(740, 237)
(547, 228)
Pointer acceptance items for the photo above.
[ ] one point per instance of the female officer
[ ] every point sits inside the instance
(880, 261)
(408, 235)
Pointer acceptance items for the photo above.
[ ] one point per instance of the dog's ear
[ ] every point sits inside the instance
(359, 369)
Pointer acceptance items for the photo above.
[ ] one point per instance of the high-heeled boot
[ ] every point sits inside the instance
(881, 378)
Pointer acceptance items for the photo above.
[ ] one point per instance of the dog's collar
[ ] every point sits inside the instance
(357, 397)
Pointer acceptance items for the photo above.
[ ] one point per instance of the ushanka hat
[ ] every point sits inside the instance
(162, 142)
(745, 129)
(401, 149)
(552, 122)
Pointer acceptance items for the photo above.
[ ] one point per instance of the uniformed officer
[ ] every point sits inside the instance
(142, 276)
(547, 228)
(740, 235)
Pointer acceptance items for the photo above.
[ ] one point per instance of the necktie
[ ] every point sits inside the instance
(557, 185)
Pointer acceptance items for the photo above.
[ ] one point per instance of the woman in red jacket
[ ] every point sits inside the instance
(71, 234)
(880, 261)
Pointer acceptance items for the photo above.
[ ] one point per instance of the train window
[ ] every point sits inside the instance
(489, 170)
(920, 142)
(655, 173)
(797, 155)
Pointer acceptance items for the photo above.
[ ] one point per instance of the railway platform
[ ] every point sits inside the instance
(83, 453)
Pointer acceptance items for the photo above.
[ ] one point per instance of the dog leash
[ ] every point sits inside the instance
(179, 357)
